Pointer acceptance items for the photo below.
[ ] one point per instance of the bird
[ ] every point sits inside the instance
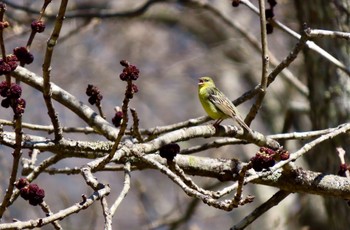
(216, 104)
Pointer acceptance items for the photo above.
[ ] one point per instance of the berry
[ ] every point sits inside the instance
(117, 119)
(130, 72)
(24, 192)
(38, 26)
(272, 2)
(169, 151)
(4, 67)
(23, 55)
(235, 3)
(15, 91)
(19, 106)
(4, 88)
(21, 183)
(6, 103)
(134, 88)
(269, 28)
(94, 94)
(269, 13)
(12, 61)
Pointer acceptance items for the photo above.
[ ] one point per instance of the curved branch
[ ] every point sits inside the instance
(69, 101)
(92, 13)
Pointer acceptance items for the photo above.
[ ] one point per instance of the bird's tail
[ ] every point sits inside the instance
(243, 124)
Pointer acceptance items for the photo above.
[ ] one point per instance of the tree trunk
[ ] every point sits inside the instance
(329, 93)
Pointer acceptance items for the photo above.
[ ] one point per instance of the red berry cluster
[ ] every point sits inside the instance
(23, 55)
(130, 72)
(12, 94)
(8, 64)
(267, 157)
(94, 94)
(169, 151)
(117, 119)
(31, 192)
(38, 26)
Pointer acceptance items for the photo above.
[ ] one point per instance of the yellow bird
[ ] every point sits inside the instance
(216, 104)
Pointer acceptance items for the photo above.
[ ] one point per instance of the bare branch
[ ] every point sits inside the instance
(273, 201)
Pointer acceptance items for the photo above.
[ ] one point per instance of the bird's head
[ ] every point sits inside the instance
(206, 81)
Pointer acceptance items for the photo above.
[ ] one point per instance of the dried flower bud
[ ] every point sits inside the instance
(6, 102)
(272, 2)
(134, 88)
(169, 151)
(4, 67)
(24, 192)
(124, 63)
(4, 88)
(38, 26)
(15, 91)
(235, 3)
(94, 94)
(263, 159)
(284, 155)
(19, 106)
(23, 55)
(12, 61)
(130, 72)
(269, 13)
(21, 183)
(33, 193)
(37, 197)
(117, 119)
(269, 28)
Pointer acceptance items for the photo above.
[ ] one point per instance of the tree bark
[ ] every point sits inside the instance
(329, 93)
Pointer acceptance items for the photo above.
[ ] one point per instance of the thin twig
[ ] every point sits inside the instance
(77, 207)
(273, 201)
(310, 44)
(241, 175)
(265, 66)
(122, 129)
(49, 128)
(47, 70)
(315, 33)
(14, 169)
(46, 209)
(69, 101)
(2, 44)
(93, 13)
(106, 214)
(289, 59)
(126, 188)
(135, 126)
(36, 172)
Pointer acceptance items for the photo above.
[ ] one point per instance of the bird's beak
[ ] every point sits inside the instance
(200, 82)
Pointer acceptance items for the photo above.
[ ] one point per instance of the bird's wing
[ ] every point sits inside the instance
(221, 102)
(224, 104)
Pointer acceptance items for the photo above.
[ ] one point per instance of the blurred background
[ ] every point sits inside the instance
(173, 43)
